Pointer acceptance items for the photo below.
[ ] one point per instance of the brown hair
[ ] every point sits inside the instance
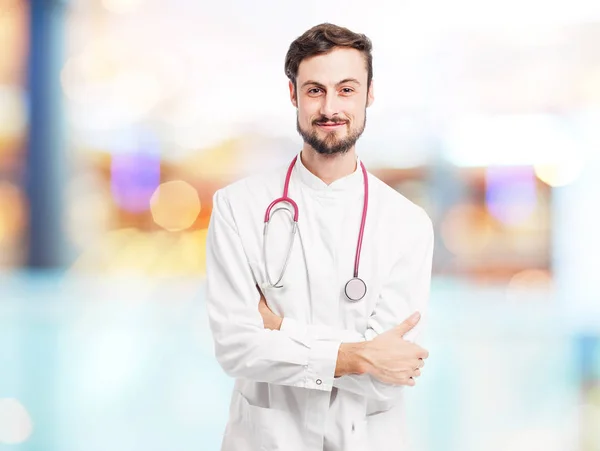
(320, 40)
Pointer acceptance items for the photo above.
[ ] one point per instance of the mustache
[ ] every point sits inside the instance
(333, 120)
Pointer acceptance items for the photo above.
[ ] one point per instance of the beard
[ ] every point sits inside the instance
(331, 144)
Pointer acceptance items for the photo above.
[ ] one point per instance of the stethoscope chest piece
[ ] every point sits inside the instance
(355, 289)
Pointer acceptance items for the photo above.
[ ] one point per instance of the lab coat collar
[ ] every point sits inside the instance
(348, 183)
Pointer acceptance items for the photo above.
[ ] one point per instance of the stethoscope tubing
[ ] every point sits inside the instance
(287, 199)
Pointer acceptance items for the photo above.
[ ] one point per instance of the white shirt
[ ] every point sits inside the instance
(285, 395)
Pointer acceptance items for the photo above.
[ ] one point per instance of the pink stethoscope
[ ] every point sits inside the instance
(355, 289)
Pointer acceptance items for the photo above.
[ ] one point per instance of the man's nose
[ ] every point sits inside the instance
(330, 105)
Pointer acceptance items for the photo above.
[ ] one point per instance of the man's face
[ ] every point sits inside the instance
(331, 98)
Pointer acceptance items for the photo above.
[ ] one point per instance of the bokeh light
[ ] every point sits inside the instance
(175, 205)
(90, 216)
(15, 423)
(524, 283)
(193, 251)
(466, 229)
(12, 211)
(590, 88)
(113, 83)
(13, 19)
(510, 193)
(134, 177)
(135, 252)
(509, 140)
(560, 174)
(101, 256)
(13, 115)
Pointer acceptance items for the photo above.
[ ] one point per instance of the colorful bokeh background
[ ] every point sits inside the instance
(119, 119)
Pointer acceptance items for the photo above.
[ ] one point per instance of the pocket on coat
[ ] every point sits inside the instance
(239, 434)
(376, 408)
(274, 429)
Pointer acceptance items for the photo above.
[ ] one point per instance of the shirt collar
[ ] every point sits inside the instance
(349, 182)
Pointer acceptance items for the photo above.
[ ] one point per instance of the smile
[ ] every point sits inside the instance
(330, 125)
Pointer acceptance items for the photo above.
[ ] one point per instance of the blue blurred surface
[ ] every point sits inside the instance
(126, 363)
(486, 115)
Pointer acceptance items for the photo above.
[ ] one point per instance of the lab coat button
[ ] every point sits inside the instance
(319, 381)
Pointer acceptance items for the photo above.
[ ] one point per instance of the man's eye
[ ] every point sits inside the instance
(347, 90)
(314, 90)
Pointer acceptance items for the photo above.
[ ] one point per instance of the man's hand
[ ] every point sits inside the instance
(270, 319)
(391, 359)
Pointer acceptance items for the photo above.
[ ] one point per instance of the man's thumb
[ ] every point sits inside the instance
(409, 323)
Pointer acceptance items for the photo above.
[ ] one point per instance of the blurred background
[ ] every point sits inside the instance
(120, 118)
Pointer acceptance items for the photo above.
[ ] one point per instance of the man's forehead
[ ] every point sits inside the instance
(333, 67)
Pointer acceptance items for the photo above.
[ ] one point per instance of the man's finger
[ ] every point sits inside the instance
(408, 323)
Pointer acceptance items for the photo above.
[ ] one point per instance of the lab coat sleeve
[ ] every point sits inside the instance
(243, 347)
(405, 291)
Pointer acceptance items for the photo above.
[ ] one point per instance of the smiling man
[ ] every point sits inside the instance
(318, 316)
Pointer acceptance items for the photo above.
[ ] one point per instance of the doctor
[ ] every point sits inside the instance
(316, 302)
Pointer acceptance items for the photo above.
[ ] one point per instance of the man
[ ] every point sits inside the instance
(317, 367)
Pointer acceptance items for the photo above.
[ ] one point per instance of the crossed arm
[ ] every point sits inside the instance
(296, 354)
(357, 357)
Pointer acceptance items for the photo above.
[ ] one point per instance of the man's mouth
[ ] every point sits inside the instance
(330, 125)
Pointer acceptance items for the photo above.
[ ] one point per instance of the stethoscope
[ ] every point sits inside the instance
(355, 289)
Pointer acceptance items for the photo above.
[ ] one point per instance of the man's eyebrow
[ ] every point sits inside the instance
(321, 85)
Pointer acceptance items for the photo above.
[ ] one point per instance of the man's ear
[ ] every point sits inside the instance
(293, 96)
(370, 95)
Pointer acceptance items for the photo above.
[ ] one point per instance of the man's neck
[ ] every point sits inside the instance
(329, 168)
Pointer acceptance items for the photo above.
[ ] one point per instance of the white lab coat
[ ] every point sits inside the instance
(285, 395)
